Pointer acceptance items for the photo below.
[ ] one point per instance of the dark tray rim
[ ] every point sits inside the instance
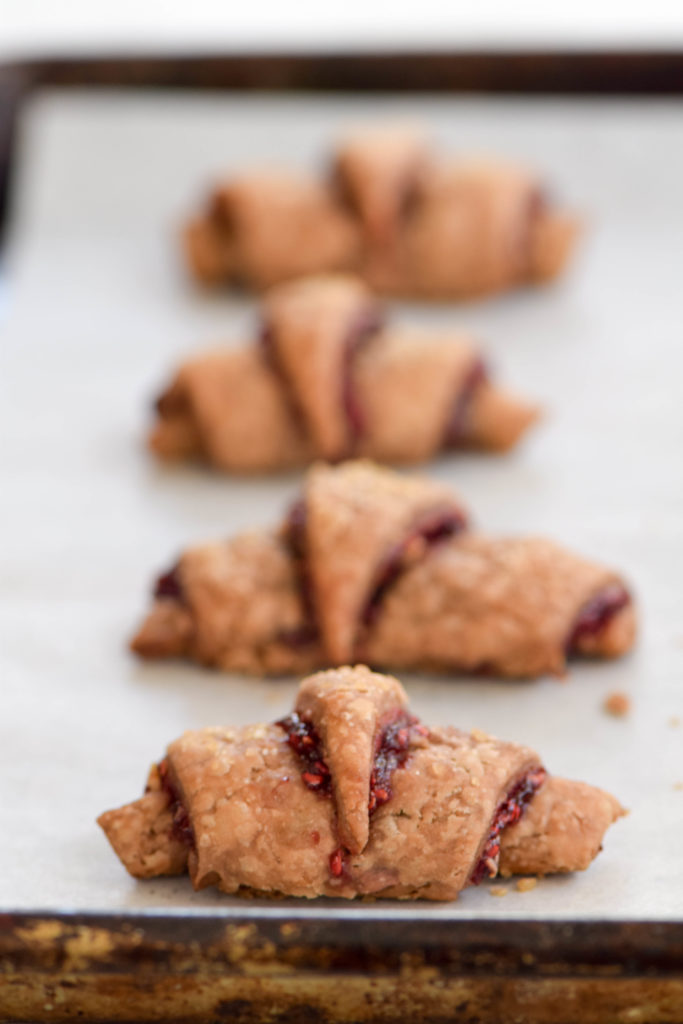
(251, 967)
(571, 72)
(320, 938)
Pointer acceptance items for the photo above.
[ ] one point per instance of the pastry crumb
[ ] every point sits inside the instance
(617, 704)
(526, 884)
(674, 721)
(498, 890)
(678, 785)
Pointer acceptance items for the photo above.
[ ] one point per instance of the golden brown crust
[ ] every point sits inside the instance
(411, 225)
(497, 419)
(328, 382)
(310, 328)
(356, 514)
(346, 706)
(407, 382)
(469, 603)
(561, 831)
(208, 251)
(376, 169)
(251, 821)
(553, 237)
(499, 606)
(233, 407)
(281, 225)
(471, 232)
(166, 632)
(141, 834)
(244, 599)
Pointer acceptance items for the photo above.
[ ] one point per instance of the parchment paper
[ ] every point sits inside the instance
(98, 313)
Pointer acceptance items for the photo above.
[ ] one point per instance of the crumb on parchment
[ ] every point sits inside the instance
(617, 704)
(498, 890)
(526, 884)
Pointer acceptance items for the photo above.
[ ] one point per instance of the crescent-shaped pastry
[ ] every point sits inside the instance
(329, 380)
(411, 224)
(351, 795)
(375, 566)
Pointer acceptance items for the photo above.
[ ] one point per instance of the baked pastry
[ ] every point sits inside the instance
(270, 226)
(351, 795)
(371, 565)
(411, 224)
(328, 380)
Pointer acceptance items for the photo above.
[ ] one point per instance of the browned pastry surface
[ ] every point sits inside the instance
(271, 226)
(478, 227)
(356, 515)
(503, 606)
(351, 795)
(411, 224)
(328, 380)
(376, 565)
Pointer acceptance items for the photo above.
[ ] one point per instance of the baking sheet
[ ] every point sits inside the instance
(99, 311)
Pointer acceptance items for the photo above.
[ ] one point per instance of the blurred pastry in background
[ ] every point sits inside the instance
(329, 378)
(408, 222)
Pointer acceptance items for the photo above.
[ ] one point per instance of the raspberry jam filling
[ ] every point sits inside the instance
(392, 747)
(169, 586)
(272, 358)
(366, 324)
(391, 752)
(457, 427)
(181, 829)
(430, 530)
(294, 534)
(597, 613)
(337, 862)
(507, 813)
(304, 740)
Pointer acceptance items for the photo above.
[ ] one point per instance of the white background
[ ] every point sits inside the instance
(37, 26)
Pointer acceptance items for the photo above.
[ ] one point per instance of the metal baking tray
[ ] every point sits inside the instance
(96, 313)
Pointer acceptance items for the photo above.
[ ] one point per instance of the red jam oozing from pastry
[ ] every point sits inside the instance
(294, 534)
(597, 613)
(507, 813)
(169, 586)
(391, 752)
(272, 358)
(181, 829)
(304, 740)
(366, 324)
(430, 530)
(392, 748)
(337, 862)
(457, 431)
